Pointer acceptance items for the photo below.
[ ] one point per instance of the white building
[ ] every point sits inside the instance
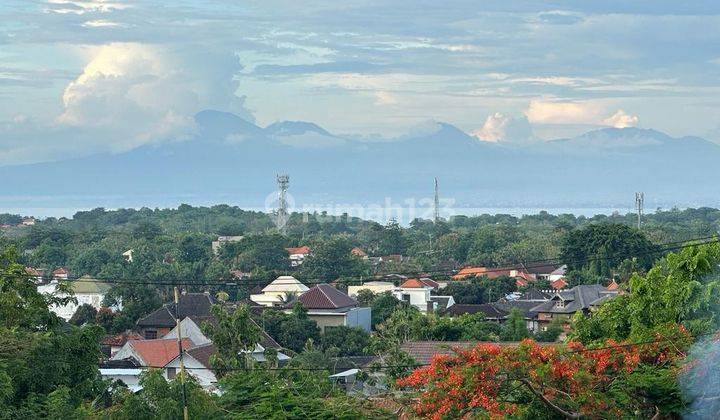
(297, 255)
(376, 287)
(86, 291)
(280, 291)
(418, 293)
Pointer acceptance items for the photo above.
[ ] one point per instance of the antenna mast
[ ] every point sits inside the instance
(639, 204)
(283, 181)
(437, 203)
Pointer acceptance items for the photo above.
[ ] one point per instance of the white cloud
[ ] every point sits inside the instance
(102, 23)
(385, 98)
(131, 94)
(80, 7)
(620, 119)
(551, 112)
(501, 127)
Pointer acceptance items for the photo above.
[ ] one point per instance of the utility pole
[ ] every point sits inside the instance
(437, 203)
(639, 204)
(180, 354)
(283, 181)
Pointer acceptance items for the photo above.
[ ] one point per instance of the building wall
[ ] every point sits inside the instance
(359, 317)
(418, 297)
(328, 320)
(204, 376)
(67, 311)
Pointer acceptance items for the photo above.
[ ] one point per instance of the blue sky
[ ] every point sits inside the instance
(84, 76)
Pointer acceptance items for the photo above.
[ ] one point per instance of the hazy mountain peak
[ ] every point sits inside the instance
(287, 128)
(218, 125)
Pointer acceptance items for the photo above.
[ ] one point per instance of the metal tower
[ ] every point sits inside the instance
(639, 204)
(283, 181)
(437, 203)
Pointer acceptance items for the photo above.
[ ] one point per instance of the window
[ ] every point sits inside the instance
(150, 334)
(171, 372)
(406, 297)
(560, 304)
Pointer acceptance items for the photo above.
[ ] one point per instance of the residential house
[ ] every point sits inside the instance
(558, 273)
(558, 284)
(545, 271)
(359, 253)
(297, 255)
(191, 328)
(158, 323)
(565, 303)
(28, 221)
(61, 273)
(37, 274)
(128, 255)
(522, 276)
(127, 371)
(279, 292)
(215, 245)
(469, 272)
(376, 287)
(111, 344)
(330, 307)
(418, 293)
(86, 291)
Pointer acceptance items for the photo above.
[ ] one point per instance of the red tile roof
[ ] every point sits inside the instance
(558, 284)
(613, 285)
(298, 250)
(359, 252)
(34, 272)
(469, 272)
(324, 296)
(419, 284)
(158, 353)
(60, 271)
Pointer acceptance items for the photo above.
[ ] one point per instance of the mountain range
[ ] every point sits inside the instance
(231, 160)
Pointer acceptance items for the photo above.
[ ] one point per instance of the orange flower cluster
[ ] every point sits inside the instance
(495, 381)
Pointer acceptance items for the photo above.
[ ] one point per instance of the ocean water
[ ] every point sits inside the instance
(403, 211)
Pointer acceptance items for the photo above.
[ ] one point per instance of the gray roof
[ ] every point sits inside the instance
(442, 302)
(576, 299)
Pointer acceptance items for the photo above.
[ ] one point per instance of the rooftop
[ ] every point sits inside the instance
(324, 296)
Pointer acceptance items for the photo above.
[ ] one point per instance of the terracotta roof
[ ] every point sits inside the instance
(419, 284)
(120, 339)
(359, 252)
(35, 272)
(157, 353)
(60, 271)
(298, 250)
(613, 285)
(558, 284)
(469, 271)
(324, 296)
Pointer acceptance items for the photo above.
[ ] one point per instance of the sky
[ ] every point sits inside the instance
(87, 76)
